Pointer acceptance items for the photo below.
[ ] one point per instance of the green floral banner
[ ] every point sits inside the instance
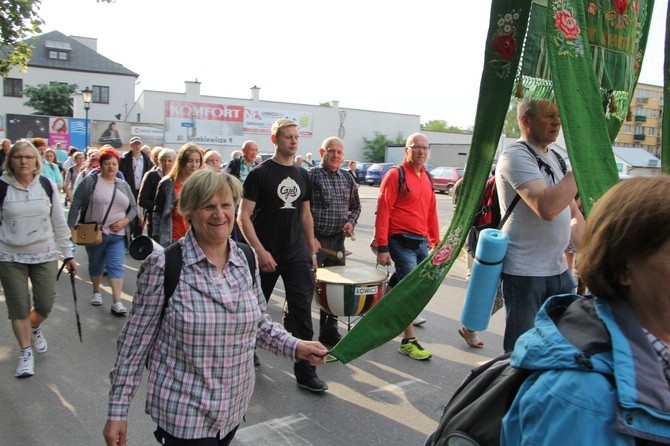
(584, 55)
(404, 302)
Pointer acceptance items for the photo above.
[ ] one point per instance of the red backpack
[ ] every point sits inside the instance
(488, 215)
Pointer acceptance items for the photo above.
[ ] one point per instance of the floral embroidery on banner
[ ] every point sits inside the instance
(618, 17)
(504, 43)
(567, 38)
(441, 257)
(592, 9)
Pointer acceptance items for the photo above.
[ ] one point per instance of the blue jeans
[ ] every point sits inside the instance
(407, 251)
(110, 253)
(524, 295)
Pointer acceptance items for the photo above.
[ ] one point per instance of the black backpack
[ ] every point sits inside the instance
(401, 179)
(173, 263)
(474, 414)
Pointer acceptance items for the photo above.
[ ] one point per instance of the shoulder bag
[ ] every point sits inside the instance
(90, 233)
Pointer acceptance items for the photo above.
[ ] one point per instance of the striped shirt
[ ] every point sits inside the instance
(201, 372)
(335, 200)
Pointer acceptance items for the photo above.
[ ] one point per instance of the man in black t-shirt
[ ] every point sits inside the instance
(276, 220)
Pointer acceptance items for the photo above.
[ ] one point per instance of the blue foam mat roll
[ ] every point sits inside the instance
(484, 278)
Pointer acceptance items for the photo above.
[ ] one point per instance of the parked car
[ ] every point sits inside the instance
(361, 171)
(375, 173)
(444, 178)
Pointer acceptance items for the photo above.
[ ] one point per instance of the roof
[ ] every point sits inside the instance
(82, 58)
(636, 157)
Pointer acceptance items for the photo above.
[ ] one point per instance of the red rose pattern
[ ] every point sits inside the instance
(505, 46)
(442, 255)
(566, 23)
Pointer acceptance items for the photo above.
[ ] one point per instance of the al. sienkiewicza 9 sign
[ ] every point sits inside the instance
(206, 124)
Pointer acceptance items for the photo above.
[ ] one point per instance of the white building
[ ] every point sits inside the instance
(172, 118)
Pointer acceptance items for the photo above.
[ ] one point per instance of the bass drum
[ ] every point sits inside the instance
(349, 290)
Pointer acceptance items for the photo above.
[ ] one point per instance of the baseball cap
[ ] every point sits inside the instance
(135, 139)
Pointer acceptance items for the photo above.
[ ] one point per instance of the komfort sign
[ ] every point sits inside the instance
(213, 124)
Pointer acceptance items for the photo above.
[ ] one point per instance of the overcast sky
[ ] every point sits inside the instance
(418, 57)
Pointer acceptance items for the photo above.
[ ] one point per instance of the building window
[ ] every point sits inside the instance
(642, 93)
(641, 111)
(100, 94)
(59, 55)
(651, 131)
(626, 129)
(13, 87)
(639, 129)
(653, 113)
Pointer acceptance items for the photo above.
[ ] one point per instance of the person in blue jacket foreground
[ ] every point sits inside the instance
(602, 362)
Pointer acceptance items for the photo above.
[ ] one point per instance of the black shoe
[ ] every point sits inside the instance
(330, 340)
(257, 361)
(313, 384)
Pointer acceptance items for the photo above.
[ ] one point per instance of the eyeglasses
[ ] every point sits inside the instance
(418, 147)
(23, 157)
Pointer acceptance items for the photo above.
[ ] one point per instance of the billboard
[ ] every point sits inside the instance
(206, 124)
(259, 121)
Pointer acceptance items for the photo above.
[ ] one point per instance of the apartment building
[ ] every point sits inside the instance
(643, 130)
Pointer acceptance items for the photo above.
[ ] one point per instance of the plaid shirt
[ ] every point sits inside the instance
(334, 200)
(662, 350)
(201, 372)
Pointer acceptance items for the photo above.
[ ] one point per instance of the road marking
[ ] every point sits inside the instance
(283, 430)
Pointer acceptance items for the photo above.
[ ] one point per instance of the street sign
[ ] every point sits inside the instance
(187, 124)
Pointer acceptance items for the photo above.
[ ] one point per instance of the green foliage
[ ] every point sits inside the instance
(52, 100)
(325, 104)
(18, 21)
(511, 126)
(375, 149)
(438, 125)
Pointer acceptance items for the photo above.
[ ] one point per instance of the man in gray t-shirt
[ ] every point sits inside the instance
(543, 222)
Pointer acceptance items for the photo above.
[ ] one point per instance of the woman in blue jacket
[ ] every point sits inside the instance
(602, 362)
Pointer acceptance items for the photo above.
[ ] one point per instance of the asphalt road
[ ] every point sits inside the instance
(381, 398)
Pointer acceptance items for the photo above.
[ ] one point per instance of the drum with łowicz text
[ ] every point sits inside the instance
(348, 290)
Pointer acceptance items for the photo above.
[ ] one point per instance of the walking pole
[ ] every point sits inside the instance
(74, 295)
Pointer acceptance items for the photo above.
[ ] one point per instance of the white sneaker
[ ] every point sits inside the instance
(419, 321)
(96, 299)
(26, 366)
(119, 309)
(39, 341)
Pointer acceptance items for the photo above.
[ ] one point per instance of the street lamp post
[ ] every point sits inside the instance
(87, 95)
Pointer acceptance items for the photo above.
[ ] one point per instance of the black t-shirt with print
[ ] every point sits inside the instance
(279, 193)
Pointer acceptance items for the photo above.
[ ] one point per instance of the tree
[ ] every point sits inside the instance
(375, 149)
(438, 125)
(511, 126)
(18, 21)
(51, 100)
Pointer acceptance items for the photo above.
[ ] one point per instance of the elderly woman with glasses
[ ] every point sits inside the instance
(32, 231)
(198, 347)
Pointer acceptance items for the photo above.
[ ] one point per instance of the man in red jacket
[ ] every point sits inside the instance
(406, 225)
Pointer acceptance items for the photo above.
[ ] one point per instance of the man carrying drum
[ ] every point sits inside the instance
(335, 209)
